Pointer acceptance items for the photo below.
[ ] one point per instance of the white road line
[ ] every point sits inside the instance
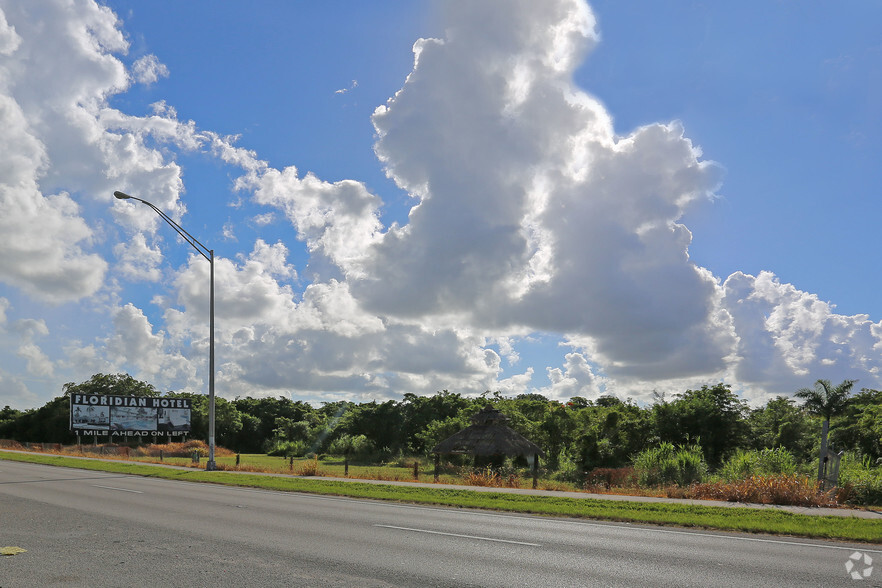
(120, 489)
(757, 540)
(458, 535)
(636, 525)
(562, 521)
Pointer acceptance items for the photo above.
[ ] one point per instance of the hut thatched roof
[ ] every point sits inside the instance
(488, 435)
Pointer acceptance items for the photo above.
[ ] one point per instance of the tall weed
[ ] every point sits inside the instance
(492, 478)
(309, 467)
(669, 464)
(752, 463)
(860, 481)
(786, 489)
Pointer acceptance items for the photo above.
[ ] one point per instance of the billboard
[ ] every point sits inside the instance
(129, 416)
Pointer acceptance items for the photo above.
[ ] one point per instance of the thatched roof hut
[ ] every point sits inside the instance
(488, 436)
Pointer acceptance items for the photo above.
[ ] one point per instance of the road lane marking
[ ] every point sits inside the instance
(757, 540)
(629, 527)
(636, 525)
(120, 489)
(620, 526)
(458, 535)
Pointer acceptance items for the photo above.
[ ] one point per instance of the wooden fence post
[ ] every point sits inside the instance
(535, 470)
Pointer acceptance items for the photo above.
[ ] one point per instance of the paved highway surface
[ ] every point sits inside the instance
(83, 528)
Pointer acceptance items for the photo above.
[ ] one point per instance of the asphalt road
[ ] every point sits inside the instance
(83, 528)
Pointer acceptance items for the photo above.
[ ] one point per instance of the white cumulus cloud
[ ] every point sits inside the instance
(530, 213)
(148, 69)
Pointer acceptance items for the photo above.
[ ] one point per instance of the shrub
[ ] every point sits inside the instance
(669, 464)
(860, 481)
(286, 448)
(357, 446)
(568, 470)
(766, 462)
(309, 467)
(607, 478)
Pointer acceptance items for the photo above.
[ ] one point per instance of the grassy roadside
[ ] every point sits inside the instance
(683, 515)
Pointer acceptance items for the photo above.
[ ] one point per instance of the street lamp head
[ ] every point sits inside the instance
(121, 196)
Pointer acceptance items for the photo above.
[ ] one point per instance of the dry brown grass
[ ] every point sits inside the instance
(630, 491)
(184, 449)
(309, 468)
(491, 479)
(379, 474)
(783, 490)
(152, 452)
(600, 479)
(250, 468)
(556, 486)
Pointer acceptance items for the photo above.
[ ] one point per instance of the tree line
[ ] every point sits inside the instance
(577, 435)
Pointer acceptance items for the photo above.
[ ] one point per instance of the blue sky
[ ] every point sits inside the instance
(514, 212)
(785, 96)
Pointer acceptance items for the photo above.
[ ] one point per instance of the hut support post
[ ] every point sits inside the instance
(535, 470)
(437, 465)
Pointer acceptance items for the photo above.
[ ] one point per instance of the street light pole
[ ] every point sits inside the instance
(209, 255)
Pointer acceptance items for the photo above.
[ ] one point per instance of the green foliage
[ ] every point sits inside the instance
(568, 470)
(713, 414)
(420, 412)
(381, 423)
(861, 479)
(825, 399)
(357, 447)
(288, 448)
(8, 415)
(577, 437)
(48, 424)
(734, 519)
(765, 462)
(780, 423)
(288, 429)
(526, 414)
(255, 433)
(608, 434)
(859, 428)
(113, 385)
(557, 429)
(667, 464)
(437, 431)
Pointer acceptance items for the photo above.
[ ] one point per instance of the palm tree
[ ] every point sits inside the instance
(826, 400)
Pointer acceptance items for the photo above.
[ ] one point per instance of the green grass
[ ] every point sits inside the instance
(683, 515)
(332, 466)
